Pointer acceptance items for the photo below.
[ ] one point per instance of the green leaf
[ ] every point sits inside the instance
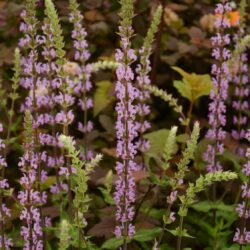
(48, 183)
(203, 206)
(206, 206)
(157, 141)
(237, 163)
(107, 197)
(183, 233)
(163, 182)
(143, 235)
(102, 97)
(156, 213)
(236, 247)
(107, 123)
(18, 122)
(203, 225)
(192, 86)
(113, 243)
(8, 192)
(184, 89)
(182, 138)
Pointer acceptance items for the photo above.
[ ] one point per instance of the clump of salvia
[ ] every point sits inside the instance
(56, 169)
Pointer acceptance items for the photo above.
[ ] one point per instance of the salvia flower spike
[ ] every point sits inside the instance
(242, 234)
(220, 71)
(143, 69)
(84, 85)
(125, 126)
(240, 79)
(5, 212)
(30, 198)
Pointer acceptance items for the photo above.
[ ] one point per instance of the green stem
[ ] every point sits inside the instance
(164, 224)
(157, 50)
(189, 116)
(178, 246)
(70, 198)
(137, 210)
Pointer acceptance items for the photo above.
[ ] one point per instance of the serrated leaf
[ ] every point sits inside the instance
(113, 243)
(8, 192)
(193, 86)
(163, 182)
(143, 235)
(157, 141)
(184, 89)
(101, 96)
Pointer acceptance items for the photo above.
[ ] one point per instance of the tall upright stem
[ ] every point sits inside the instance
(178, 245)
(158, 48)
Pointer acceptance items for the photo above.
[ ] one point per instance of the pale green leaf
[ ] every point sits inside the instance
(113, 243)
(184, 89)
(157, 140)
(193, 86)
(102, 97)
(147, 234)
(183, 233)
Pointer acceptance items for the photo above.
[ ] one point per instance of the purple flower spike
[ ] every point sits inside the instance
(29, 197)
(84, 85)
(142, 106)
(218, 96)
(241, 93)
(5, 214)
(126, 132)
(242, 234)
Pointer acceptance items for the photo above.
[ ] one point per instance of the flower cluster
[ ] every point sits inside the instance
(5, 213)
(241, 94)
(59, 94)
(143, 107)
(126, 131)
(242, 235)
(30, 198)
(83, 85)
(219, 94)
(29, 62)
(143, 79)
(51, 85)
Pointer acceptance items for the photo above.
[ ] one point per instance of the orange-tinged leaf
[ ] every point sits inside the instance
(139, 175)
(233, 17)
(93, 16)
